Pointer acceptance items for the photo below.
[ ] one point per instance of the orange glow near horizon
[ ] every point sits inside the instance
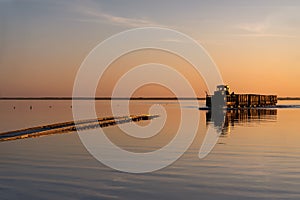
(255, 46)
(136, 58)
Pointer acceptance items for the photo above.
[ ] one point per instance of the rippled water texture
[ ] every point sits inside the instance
(256, 157)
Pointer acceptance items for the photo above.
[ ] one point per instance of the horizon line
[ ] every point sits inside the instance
(121, 98)
(98, 98)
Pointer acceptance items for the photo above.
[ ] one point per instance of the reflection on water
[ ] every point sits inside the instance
(260, 159)
(239, 117)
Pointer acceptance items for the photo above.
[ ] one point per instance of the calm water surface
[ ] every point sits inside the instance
(256, 157)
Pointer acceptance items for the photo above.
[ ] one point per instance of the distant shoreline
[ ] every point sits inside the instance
(288, 98)
(120, 98)
(101, 98)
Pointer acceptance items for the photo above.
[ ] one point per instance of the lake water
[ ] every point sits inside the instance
(256, 157)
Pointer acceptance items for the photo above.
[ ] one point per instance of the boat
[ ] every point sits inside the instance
(224, 98)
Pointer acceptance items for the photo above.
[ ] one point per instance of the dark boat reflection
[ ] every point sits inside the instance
(240, 117)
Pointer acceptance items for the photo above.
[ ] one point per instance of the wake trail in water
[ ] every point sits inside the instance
(71, 126)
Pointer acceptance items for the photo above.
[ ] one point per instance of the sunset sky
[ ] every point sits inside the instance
(255, 44)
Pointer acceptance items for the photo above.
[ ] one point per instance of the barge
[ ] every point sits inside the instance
(232, 100)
